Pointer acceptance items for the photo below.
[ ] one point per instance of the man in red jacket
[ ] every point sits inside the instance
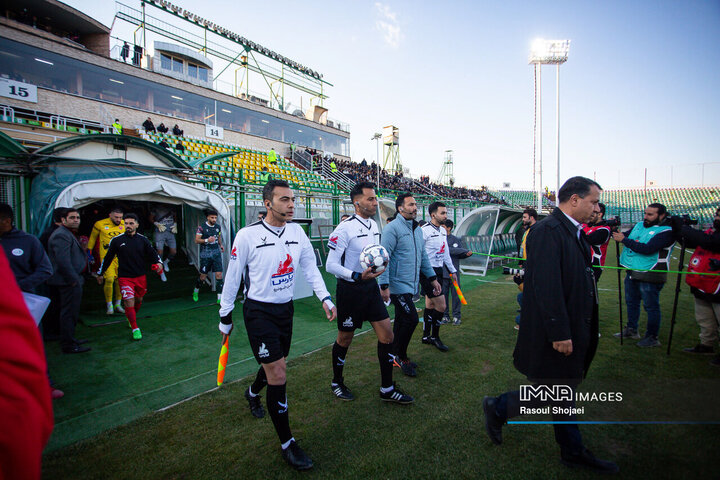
(705, 288)
(26, 416)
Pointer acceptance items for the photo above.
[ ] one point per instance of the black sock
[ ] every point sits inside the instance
(436, 318)
(403, 330)
(170, 257)
(427, 322)
(260, 381)
(199, 283)
(218, 285)
(277, 405)
(384, 352)
(338, 361)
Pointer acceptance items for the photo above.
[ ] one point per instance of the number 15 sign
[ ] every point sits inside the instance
(18, 90)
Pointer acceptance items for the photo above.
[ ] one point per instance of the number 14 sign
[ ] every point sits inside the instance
(213, 131)
(18, 90)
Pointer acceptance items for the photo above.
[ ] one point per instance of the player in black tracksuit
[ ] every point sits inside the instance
(132, 250)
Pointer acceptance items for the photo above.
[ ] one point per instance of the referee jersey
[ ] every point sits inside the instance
(267, 258)
(345, 244)
(436, 247)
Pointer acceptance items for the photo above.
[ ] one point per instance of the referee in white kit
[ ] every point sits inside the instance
(266, 254)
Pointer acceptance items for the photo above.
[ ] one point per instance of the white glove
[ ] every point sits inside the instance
(161, 228)
(173, 229)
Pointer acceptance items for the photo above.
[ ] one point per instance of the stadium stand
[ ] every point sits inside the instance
(362, 171)
(697, 202)
(520, 198)
(248, 163)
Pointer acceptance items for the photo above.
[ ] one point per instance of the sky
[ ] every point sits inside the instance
(640, 90)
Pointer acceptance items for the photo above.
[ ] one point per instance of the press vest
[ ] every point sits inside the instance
(653, 261)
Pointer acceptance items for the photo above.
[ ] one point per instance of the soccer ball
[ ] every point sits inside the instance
(374, 256)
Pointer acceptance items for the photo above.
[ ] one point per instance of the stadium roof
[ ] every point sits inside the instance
(122, 141)
(218, 156)
(60, 16)
(9, 147)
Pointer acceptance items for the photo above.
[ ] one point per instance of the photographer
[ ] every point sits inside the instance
(598, 233)
(646, 249)
(529, 218)
(705, 288)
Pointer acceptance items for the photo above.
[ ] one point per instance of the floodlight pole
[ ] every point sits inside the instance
(538, 96)
(557, 130)
(548, 52)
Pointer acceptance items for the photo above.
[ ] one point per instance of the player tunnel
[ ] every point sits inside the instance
(82, 171)
(489, 230)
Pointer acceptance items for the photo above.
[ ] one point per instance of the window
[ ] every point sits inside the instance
(177, 65)
(91, 81)
(192, 70)
(165, 62)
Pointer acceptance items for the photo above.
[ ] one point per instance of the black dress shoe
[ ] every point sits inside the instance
(587, 460)
(439, 344)
(426, 340)
(296, 458)
(493, 425)
(76, 349)
(82, 341)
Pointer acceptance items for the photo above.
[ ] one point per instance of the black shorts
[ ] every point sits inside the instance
(425, 286)
(269, 329)
(358, 302)
(211, 263)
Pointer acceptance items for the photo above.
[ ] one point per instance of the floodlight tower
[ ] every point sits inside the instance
(547, 52)
(377, 136)
(391, 147)
(446, 176)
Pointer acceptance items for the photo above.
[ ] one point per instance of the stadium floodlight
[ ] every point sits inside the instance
(547, 52)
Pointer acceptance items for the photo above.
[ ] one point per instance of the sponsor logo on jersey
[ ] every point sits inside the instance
(284, 276)
(442, 249)
(263, 351)
(233, 254)
(17, 252)
(333, 241)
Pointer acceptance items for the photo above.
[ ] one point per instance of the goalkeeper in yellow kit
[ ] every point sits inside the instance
(103, 231)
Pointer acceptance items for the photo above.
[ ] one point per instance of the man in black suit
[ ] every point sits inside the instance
(559, 325)
(68, 261)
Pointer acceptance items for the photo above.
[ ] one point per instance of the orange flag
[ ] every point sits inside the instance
(222, 362)
(457, 289)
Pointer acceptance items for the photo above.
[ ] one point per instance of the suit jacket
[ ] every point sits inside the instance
(67, 257)
(559, 303)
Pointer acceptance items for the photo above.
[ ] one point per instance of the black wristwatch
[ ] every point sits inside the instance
(356, 276)
(384, 286)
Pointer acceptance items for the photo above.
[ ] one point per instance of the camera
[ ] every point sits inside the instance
(513, 271)
(612, 222)
(684, 219)
(688, 221)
